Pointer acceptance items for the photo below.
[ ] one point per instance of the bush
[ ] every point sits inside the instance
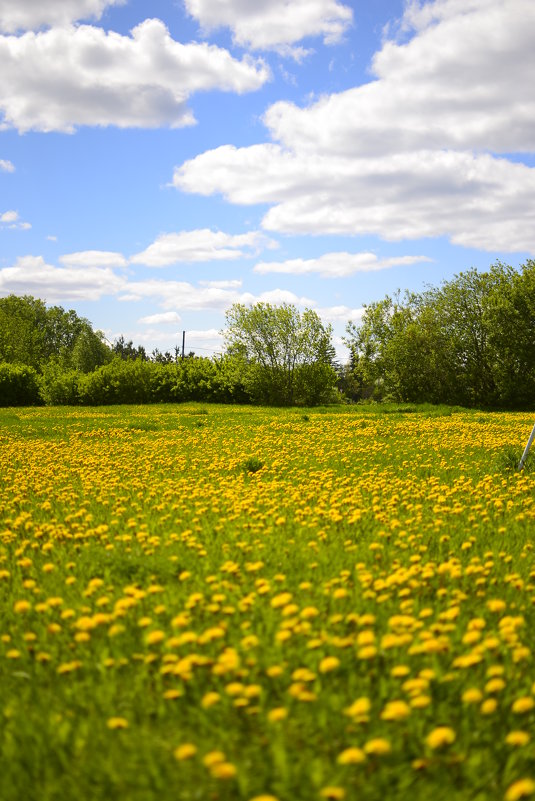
(19, 385)
(59, 387)
(117, 382)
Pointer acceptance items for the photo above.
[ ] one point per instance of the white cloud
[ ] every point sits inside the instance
(231, 284)
(157, 319)
(28, 15)
(94, 258)
(199, 246)
(11, 219)
(31, 275)
(274, 24)
(411, 154)
(340, 314)
(67, 77)
(336, 265)
(213, 295)
(460, 83)
(180, 295)
(52, 238)
(478, 201)
(6, 166)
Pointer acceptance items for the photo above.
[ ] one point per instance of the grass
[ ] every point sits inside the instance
(237, 603)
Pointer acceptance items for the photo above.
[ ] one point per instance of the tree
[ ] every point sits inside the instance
(22, 330)
(32, 334)
(470, 341)
(127, 350)
(89, 350)
(287, 355)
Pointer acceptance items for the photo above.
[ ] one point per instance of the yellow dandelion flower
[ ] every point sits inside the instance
(359, 709)
(522, 705)
(351, 756)
(223, 770)
(210, 699)
(328, 664)
(496, 605)
(520, 789)
(472, 696)
(274, 670)
(171, 694)
(368, 652)
(154, 637)
(234, 688)
(212, 758)
(277, 714)
(378, 747)
(489, 706)
(400, 671)
(185, 751)
(117, 723)
(333, 793)
(518, 738)
(440, 737)
(264, 798)
(420, 701)
(396, 710)
(282, 599)
(494, 685)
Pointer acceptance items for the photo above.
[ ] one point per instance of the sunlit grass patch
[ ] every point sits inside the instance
(354, 621)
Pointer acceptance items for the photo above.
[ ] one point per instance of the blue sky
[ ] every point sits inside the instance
(160, 161)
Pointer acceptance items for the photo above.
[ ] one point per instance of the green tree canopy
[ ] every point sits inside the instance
(288, 354)
(470, 341)
(32, 334)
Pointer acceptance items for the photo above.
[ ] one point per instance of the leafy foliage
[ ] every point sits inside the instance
(287, 355)
(469, 342)
(19, 385)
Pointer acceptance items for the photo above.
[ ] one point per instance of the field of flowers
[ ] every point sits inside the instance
(243, 604)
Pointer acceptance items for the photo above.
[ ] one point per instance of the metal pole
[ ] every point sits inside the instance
(526, 449)
(183, 342)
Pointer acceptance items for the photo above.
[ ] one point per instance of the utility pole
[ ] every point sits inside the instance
(183, 343)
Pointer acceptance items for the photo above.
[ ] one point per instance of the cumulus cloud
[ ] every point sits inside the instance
(231, 284)
(274, 24)
(72, 76)
(11, 219)
(182, 295)
(163, 318)
(336, 265)
(461, 82)
(421, 150)
(199, 246)
(340, 314)
(27, 15)
(94, 258)
(31, 275)
(6, 166)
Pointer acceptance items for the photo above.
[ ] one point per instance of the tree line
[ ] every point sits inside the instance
(274, 355)
(468, 342)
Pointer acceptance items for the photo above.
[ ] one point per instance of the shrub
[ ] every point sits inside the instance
(59, 387)
(19, 385)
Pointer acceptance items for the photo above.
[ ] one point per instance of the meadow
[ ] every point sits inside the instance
(227, 603)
